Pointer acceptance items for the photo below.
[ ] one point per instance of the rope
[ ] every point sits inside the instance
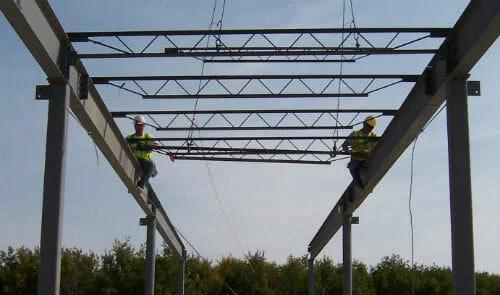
(411, 218)
(88, 132)
(206, 260)
(336, 132)
(219, 24)
(410, 199)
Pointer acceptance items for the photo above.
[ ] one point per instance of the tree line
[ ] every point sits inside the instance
(121, 270)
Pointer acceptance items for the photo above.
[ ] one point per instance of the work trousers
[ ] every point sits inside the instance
(354, 167)
(147, 167)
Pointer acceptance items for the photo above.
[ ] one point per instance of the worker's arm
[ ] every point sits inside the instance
(347, 146)
(368, 151)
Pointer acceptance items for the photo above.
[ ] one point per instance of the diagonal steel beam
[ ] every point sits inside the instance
(473, 34)
(43, 35)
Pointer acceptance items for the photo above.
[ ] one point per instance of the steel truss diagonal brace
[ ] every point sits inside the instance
(38, 27)
(474, 33)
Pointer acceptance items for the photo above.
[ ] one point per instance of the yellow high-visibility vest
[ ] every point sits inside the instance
(360, 142)
(141, 146)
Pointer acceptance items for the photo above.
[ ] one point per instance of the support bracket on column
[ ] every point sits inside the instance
(44, 92)
(355, 220)
(474, 88)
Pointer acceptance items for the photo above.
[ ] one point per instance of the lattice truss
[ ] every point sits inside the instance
(254, 86)
(271, 45)
(306, 136)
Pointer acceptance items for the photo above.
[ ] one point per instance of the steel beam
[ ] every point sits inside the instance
(41, 32)
(53, 192)
(473, 34)
(252, 95)
(123, 114)
(149, 285)
(182, 270)
(252, 160)
(249, 138)
(310, 276)
(249, 128)
(462, 231)
(347, 255)
(83, 36)
(108, 79)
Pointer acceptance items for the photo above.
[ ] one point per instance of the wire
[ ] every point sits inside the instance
(224, 212)
(410, 198)
(88, 132)
(206, 260)
(411, 218)
(193, 122)
(336, 132)
(219, 24)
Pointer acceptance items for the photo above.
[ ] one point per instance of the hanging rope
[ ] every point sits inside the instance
(218, 26)
(210, 27)
(207, 261)
(353, 22)
(410, 199)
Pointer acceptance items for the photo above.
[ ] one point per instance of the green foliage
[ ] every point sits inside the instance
(392, 276)
(78, 271)
(122, 271)
(19, 271)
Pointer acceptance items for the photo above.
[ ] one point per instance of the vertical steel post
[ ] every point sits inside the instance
(310, 268)
(347, 255)
(149, 288)
(53, 192)
(182, 268)
(462, 240)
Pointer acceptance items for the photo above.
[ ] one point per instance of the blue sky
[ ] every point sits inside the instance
(272, 207)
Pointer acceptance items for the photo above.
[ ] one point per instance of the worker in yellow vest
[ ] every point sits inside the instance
(142, 146)
(359, 145)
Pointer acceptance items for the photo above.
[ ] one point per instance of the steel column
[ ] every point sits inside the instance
(347, 255)
(310, 268)
(182, 268)
(53, 192)
(462, 239)
(149, 288)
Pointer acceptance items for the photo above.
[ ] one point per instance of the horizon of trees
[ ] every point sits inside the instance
(121, 270)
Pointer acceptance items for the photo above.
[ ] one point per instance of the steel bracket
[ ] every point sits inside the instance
(429, 81)
(474, 88)
(145, 221)
(44, 92)
(67, 57)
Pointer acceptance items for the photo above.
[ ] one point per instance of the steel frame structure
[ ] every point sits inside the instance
(315, 148)
(259, 45)
(172, 87)
(444, 77)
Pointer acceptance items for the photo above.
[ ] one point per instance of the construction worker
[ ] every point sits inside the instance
(359, 145)
(142, 147)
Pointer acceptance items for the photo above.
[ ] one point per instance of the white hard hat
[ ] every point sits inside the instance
(139, 120)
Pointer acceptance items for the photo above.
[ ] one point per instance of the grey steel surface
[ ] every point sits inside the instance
(182, 271)
(122, 114)
(43, 35)
(462, 232)
(473, 34)
(53, 192)
(347, 256)
(230, 48)
(435, 32)
(149, 285)
(310, 276)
